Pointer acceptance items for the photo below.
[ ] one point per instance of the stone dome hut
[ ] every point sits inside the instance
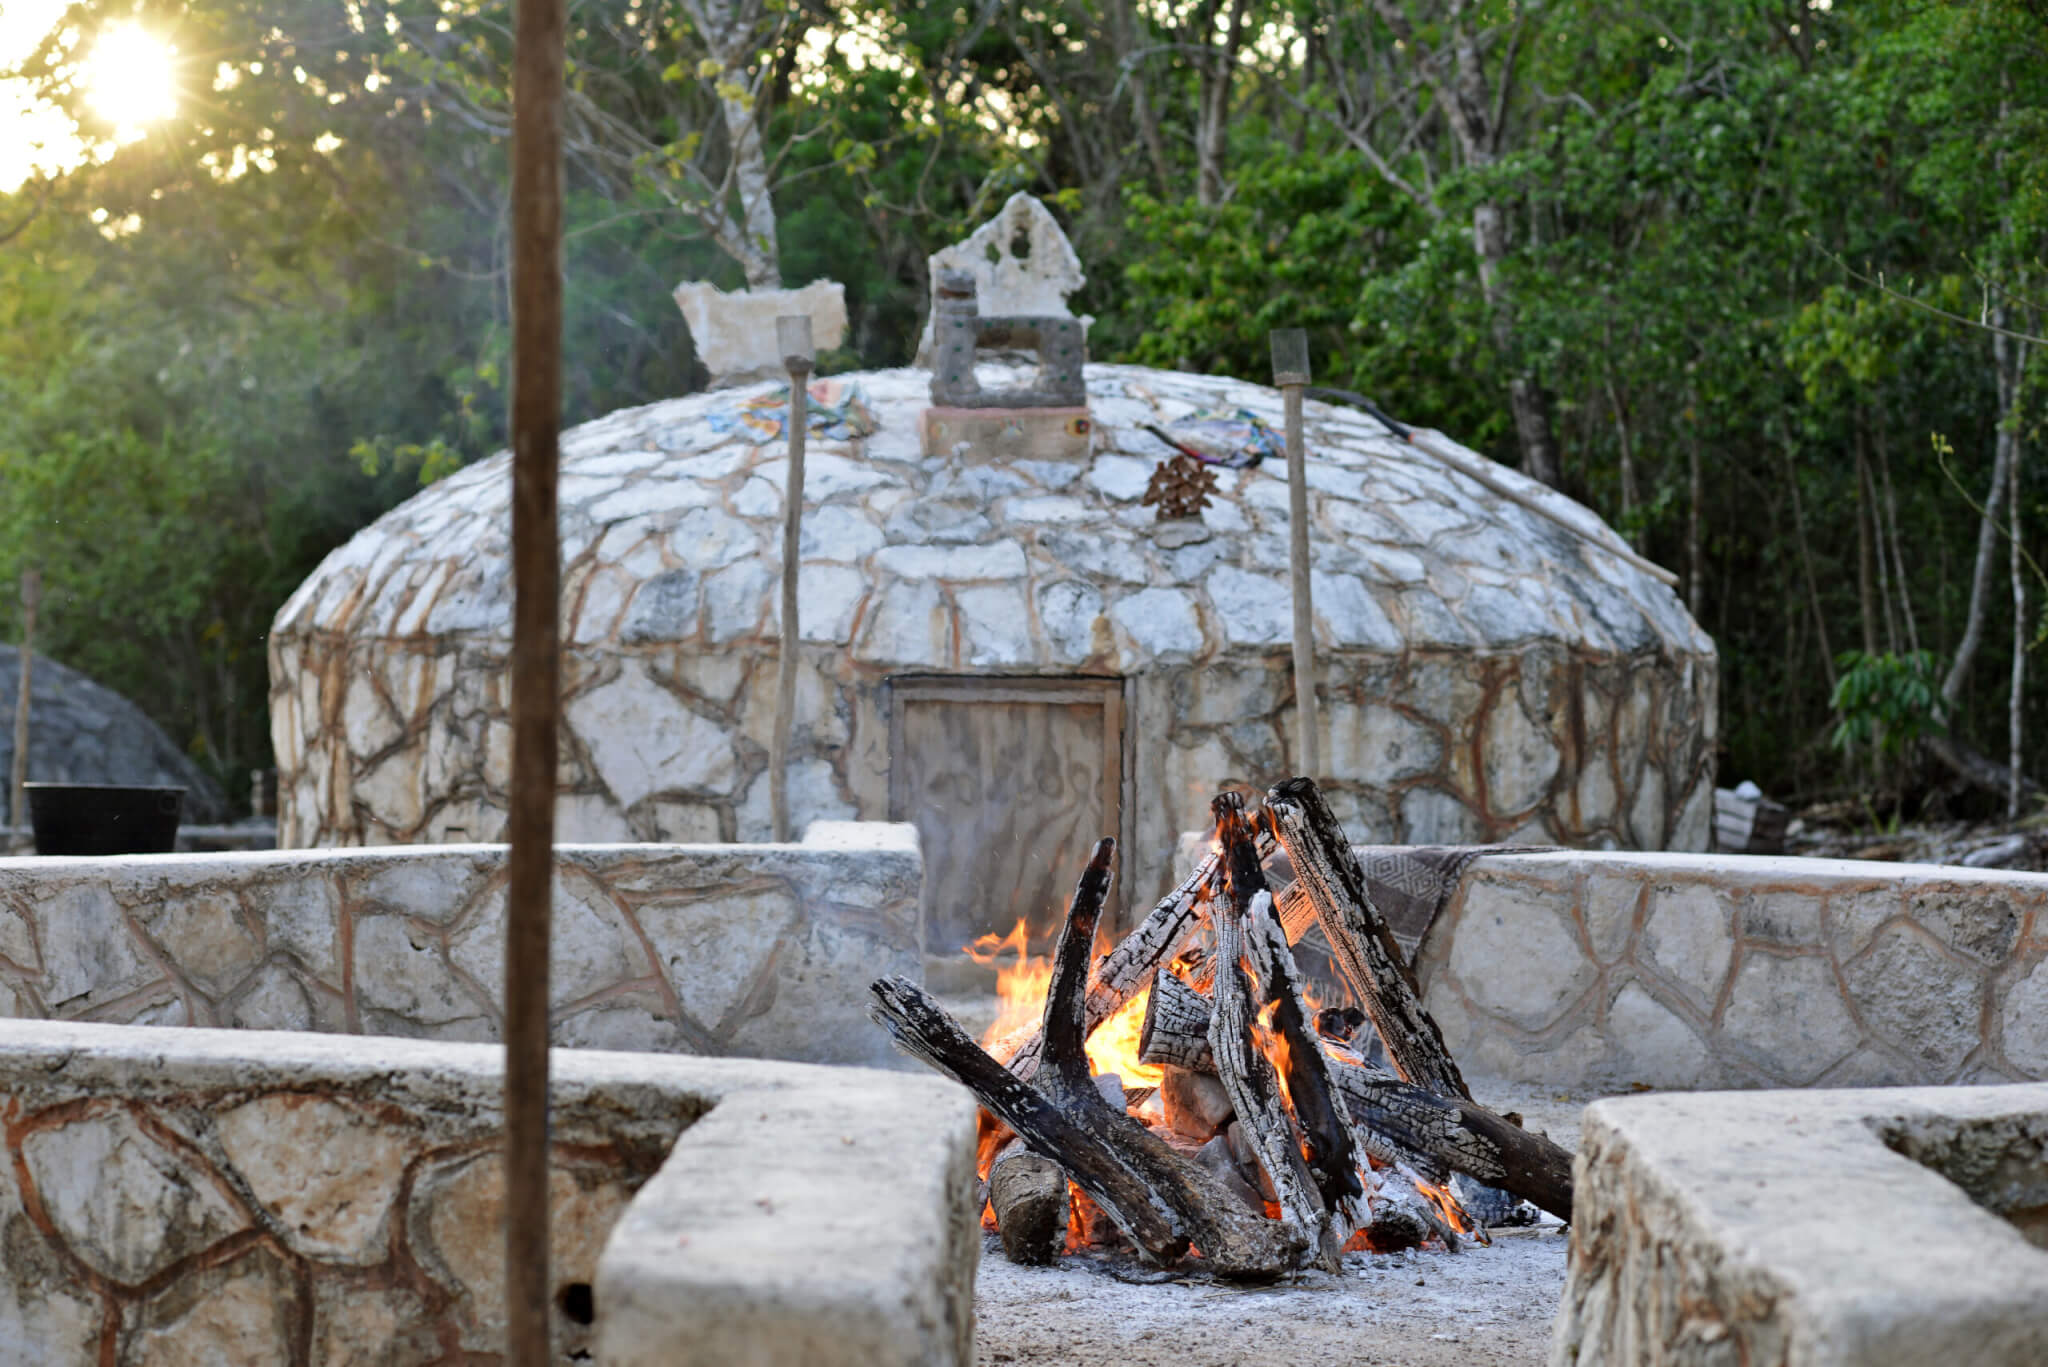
(1013, 652)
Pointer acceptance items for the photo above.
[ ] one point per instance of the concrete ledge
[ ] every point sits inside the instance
(1792, 1228)
(1602, 970)
(227, 1196)
(829, 1220)
(757, 950)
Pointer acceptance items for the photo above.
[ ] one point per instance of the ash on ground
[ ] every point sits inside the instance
(1480, 1307)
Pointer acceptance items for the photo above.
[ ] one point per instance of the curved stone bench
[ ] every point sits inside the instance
(1871, 1228)
(258, 1197)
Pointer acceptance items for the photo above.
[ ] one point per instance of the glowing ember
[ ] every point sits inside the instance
(1021, 987)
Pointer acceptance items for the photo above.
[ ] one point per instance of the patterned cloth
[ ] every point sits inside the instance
(1409, 885)
(838, 412)
(1236, 440)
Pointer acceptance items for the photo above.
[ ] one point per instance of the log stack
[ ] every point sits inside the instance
(1270, 1143)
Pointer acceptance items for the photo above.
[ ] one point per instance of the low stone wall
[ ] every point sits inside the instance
(1835, 1229)
(761, 950)
(1692, 971)
(202, 1196)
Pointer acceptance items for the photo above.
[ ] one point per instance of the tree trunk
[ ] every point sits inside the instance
(1891, 530)
(2016, 708)
(1820, 621)
(2006, 360)
(1212, 126)
(1694, 575)
(1626, 442)
(732, 33)
(1866, 560)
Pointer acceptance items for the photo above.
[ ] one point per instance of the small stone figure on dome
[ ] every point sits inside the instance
(1181, 488)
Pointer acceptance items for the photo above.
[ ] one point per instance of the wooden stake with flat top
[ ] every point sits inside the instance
(793, 335)
(536, 419)
(1290, 373)
(17, 810)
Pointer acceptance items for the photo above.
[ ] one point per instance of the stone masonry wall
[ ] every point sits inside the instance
(763, 951)
(271, 1206)
(1691, 971)
(1484, 673)
(197, 1198)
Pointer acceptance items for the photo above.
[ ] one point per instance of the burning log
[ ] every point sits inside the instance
(1327, 871)
(1458, 1136)
(1161, 1200)
(1176, 1033)
(1398, 1122)
(1126, 970)
(1028, 1193)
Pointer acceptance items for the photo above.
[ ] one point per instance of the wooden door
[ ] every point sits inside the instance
(1010, 783)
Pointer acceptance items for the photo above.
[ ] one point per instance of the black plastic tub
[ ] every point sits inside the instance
(104, 818)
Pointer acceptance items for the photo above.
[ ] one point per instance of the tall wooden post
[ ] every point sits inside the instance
(17, 808)
(793, 335)
(536, 214)
(1290, 373)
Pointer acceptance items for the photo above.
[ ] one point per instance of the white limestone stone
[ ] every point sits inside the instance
(1048, 508)
(643, 739)
(1070, 612)
(1124, 478)
(714, 952)
(590, 945)
(1037, 282)
(906, 625)
(734, 333)
(1688, 936)
(1918, 998)
(1790, 1012)
(400, 969)
(1251, 609)
(326, 1173)
(1003, 560)
(123, 1202)
(1380, 745)
(2023, 1017)
(838, 531)
(1161, 621)
(1521, 962)
(88, 955)
(1349, 614)
(996, 619)
(1653, 1046)
(1521, 758)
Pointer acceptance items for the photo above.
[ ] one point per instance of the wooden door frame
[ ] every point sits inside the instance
(1112, 692)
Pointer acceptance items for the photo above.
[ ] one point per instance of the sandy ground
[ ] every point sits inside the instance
(1483, 1307)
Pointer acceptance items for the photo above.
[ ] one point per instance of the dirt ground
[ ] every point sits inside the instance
(1482, 1307)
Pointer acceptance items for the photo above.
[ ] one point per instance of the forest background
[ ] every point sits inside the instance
(1758, 280)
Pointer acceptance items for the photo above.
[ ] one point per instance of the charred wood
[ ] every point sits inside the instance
(1327, 870)
(1028, 1194)
(1176, 1029)
(1161, 1200)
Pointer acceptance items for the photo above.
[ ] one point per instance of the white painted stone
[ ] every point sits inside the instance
(399, 969)
(204, 937)
(1917, 998)
(813, 796)
(1161, 621)
(273, 1000)
(1609, 910)
(734, 333)
(708, 539)
(736, 600)
(643, 739)
(651, 498)
(1431, 816)
(590, 946)
(303, 918)
(125, 1204)
(365, 720)
(838, 531)
(1349, 614)
(1689, 937)
(758, 498)
(828, 601)
(1049, 508)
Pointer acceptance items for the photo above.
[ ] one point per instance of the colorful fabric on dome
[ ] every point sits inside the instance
(1236, 439)
(838, 412)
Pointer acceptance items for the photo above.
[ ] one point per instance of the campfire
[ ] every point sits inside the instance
(1184, 1095)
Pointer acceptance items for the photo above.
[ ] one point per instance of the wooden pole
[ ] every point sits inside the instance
(17, 810)
(1291, 373)
(793, 334)
(536, 416)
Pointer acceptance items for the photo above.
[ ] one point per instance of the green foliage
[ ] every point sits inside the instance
(1887, 701)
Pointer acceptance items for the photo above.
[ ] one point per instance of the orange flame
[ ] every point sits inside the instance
(1021, 986)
